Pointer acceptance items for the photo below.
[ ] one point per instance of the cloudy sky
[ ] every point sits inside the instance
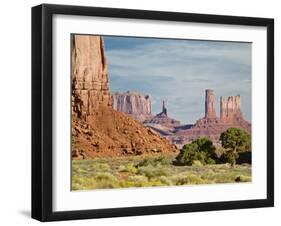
(179, 71)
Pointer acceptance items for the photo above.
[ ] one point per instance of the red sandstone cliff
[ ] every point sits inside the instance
(230, 109)
(90, 86)
(210, 101)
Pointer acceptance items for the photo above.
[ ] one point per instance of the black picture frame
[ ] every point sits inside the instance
(42, 111)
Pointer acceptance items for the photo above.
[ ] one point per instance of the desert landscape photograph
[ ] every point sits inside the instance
(159, 112)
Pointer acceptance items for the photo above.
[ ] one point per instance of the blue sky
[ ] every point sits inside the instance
(179, 71)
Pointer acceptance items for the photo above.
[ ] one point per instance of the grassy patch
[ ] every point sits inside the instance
(144, 171)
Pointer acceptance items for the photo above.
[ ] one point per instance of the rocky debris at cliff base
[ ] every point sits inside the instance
(110, 133)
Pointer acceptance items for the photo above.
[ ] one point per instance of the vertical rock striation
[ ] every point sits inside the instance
(230, 109)
(212, 126)
(90, 86)
(210, 102)
(134, 104)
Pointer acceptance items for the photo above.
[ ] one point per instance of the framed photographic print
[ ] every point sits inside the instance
(145, 112)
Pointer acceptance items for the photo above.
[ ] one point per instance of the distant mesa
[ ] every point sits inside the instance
(230, 109)
(134, 104)
(139, 107)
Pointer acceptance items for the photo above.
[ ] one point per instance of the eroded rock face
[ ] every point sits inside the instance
(212, 126)
(89, 75)
(134, 104)
(210, 101)
(230, 109)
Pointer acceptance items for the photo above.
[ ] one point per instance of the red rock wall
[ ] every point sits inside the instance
(230, 109)
(90, 86)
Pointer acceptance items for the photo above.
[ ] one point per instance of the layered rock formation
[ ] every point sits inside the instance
(162, 120)
(134, 104)
(90, 86)
(98, 129)
(212, 126)
(210, 100)
(230, 109)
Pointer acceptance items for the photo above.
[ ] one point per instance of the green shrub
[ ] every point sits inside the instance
(187, 179)
(201, 150)
(161, 160)
(229, 157)
(218, 152)
(130, 168)
(101, 166)
(165, 180)
(105, 176)
(236, 139)
(82, 183)
(152, 172)
(197, 163)
(137, 181)
(105, 180)
(187, 154)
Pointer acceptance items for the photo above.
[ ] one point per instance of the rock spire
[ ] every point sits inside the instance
(164, 109)
(210, 101)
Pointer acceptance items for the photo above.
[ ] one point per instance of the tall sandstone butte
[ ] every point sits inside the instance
(230, 109)
(90, 85)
